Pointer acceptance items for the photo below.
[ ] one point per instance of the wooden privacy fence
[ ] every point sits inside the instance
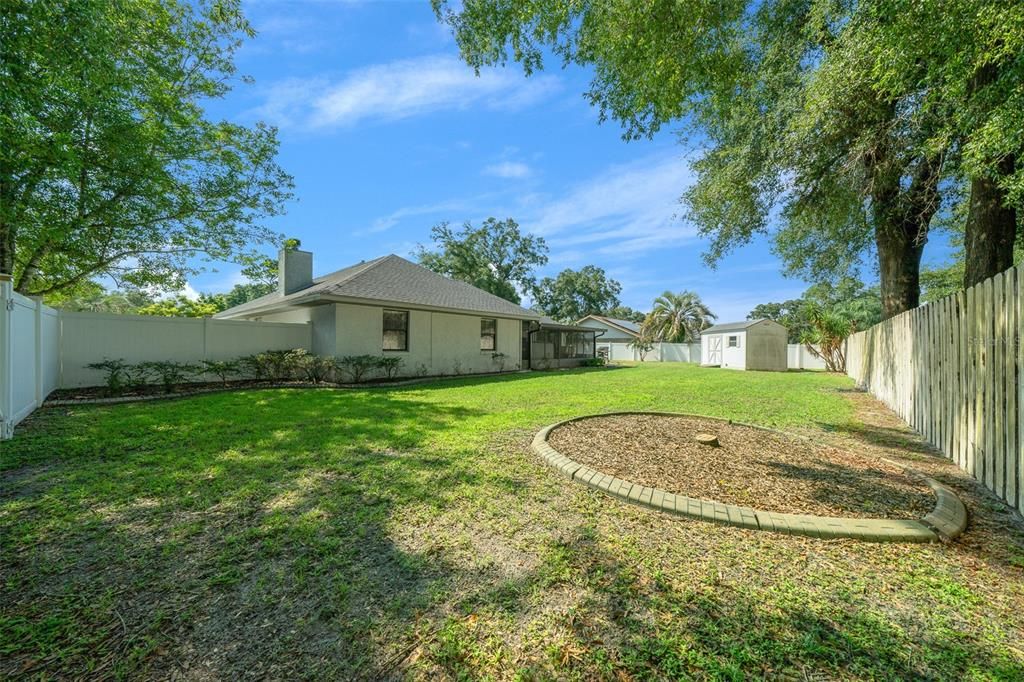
(954, 370)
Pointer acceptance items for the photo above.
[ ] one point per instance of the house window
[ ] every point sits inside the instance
(396, 330)
(488, 335)
(733, 342)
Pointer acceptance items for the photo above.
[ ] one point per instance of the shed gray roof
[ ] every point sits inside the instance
(389, 279)
(733, 326)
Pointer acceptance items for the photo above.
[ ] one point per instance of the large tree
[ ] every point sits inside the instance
(805, 140)
(110, 165)
(574, 294)
(496, 257)
(964, 61)
(678, 317)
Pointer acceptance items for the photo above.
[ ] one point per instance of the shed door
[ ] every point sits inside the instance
(714, 350)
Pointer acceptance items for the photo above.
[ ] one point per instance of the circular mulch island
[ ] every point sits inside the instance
(750, 477)
(750, 467)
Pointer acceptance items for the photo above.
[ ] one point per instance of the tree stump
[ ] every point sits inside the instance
(708, 439)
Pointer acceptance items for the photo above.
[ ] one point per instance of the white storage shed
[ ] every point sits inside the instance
(752, 344)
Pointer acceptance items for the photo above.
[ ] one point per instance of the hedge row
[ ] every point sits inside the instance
(271, 365)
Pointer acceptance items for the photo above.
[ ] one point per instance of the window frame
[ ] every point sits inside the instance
(493, 335)
(729, 341)
(385, 330)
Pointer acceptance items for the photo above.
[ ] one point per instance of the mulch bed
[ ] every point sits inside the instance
(754, 468)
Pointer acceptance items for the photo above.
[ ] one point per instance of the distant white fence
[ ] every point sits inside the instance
(954, 370)
(798, 355)
(42, 349)
(662, 352)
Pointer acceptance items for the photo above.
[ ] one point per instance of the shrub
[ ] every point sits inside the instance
(390, 365)
(356, 366)
(170, 373)
(281, 363)
(593, 362)
(116, 374)
(315, 368)
(222, 369)
(273, 365)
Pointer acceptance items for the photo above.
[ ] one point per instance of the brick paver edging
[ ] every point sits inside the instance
(946, 521)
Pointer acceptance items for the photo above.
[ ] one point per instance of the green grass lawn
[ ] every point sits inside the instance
(410, 532)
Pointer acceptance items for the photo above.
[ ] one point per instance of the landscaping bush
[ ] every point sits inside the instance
(270, 365)
(222, 369)
(357, 366)
(315, 368)
(390, 366)
(593, 362)
(116, 374)
(169, 373)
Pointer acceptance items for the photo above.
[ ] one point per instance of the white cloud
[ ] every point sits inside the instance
(508, 169)
(398, 90)
(628, 209)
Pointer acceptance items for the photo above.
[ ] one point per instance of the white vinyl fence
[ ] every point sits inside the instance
(954, 370)
(662, 352)
(42, 349)
(798, 355)
(29, 364)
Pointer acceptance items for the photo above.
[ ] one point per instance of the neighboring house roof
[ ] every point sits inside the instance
(734, 326)
(551, 323)
(388, 280)
(631, 328)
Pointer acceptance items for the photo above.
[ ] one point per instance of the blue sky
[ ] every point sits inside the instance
(387, 133)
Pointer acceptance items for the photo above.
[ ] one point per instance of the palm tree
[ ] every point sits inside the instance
(676, 317)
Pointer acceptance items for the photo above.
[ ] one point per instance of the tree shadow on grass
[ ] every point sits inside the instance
(626, 622)
(182, 540)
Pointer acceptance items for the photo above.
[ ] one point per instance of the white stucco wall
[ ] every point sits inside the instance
(90, 337)
(438, 343)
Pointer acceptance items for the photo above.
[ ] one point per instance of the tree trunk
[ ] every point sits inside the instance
(991, 228)
(899, 267)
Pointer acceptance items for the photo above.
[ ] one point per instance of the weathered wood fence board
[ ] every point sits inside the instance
(954, 370)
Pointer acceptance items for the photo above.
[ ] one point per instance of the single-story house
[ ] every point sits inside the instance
(615, 330)
(614, 335)
(751, 344)
(390, 306)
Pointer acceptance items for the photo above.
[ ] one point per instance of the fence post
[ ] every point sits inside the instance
(6, 358)
(39, 349)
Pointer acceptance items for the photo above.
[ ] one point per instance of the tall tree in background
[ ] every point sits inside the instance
(848, 299)
(792, 98)
(577, 293)
(678, 317)
(623, 312)
(495, 257)
(109, 165)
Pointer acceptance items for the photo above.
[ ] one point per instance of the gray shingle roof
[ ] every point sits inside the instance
(631, 327)
(732, 326)
(391, 279)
